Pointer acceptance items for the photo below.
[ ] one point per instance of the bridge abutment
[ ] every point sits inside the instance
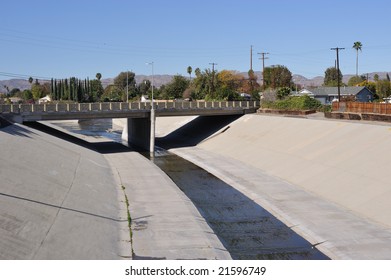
(140, 132)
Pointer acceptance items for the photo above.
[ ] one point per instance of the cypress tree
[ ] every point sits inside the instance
(52, 87)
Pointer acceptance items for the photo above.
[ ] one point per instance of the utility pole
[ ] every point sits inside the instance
(153, 121)
(127, 86)
(251, 57)
(213, 77)
(263, 68)
(213, 66)
(338, 77)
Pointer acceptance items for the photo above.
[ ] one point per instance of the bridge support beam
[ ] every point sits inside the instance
(141, 132)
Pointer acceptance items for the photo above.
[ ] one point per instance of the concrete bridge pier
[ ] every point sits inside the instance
(138, 131)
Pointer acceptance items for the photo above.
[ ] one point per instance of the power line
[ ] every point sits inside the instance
(22, 76)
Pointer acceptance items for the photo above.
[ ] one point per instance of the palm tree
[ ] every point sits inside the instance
(357, 46)
(197, 72)
(189, 70)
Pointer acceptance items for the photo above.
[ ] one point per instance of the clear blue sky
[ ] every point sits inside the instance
(80, 38)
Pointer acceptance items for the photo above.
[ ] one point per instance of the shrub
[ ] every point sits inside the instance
(294, 103)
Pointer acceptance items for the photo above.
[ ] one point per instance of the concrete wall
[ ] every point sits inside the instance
(344, 162)
(137, 131)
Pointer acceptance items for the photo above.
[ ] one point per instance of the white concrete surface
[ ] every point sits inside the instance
(165, 223)
(326, 179)
(344, 162)
(57, 200)
(334, 230)
(62, 201)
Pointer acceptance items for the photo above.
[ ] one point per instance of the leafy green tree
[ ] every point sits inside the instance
(226, 93)
(144, 87)
(27, 95)
(123, 82)
(355, 80)
(331, 77)
(383, 89)
(202, 84)
(36, 91)
(96, 90)
(376, 77)
(111, 93)
(14, 92)
(358, 47)
(176, 87)
(277, 76)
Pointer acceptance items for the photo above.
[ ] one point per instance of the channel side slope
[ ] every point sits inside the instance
(57, 200)
(165, 223)
(325, 179)
(343, 162)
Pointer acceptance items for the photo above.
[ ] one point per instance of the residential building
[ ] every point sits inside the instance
(326, 95)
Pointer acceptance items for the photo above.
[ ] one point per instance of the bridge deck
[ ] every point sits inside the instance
(64, 111)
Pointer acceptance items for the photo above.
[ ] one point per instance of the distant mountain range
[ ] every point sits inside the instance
(165, 79)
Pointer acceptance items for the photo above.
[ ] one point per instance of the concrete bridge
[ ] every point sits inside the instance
(140, 128)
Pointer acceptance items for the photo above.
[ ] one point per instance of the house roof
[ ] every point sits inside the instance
(333, 91)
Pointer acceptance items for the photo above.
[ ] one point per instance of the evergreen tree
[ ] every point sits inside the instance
(331, 77)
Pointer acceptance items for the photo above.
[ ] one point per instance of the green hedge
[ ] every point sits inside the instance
(294, 103)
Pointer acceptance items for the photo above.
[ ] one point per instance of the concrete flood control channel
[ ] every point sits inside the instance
(246, 229)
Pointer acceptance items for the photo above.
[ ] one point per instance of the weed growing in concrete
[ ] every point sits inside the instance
(129, 218)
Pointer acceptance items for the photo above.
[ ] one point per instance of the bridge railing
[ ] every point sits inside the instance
(123, 106)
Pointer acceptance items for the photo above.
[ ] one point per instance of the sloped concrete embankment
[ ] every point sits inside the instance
(343, 162)
(65, 200)
(325, 179)
(58, 200)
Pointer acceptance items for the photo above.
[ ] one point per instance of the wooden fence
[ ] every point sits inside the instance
(362, 107)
